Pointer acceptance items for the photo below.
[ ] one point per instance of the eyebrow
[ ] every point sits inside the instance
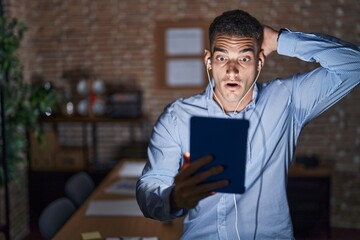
(249, 49)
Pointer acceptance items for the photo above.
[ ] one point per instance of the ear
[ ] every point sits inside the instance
(207, 57)
(261, 61)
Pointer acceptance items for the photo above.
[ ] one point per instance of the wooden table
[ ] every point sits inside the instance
(116, 226)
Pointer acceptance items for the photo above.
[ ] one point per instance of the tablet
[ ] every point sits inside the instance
(226, 140)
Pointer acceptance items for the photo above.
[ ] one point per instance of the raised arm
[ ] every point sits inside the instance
(315, 91)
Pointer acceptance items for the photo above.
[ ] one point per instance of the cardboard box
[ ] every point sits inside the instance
(70, 158)
(42, 155)
(51, 156)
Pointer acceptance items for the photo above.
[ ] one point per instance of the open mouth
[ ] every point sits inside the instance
(232, 84)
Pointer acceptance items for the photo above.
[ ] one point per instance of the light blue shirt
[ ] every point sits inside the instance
(277, 113)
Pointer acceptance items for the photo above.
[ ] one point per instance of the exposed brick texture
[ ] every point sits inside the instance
(115, 40)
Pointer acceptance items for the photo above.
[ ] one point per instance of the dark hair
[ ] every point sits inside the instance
(236, 23)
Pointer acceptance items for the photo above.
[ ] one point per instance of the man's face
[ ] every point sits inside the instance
(234, 65)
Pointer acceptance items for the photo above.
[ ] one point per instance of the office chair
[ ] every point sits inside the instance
(79, 187)
(54, 216)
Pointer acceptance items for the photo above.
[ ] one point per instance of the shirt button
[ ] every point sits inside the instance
(222, 199)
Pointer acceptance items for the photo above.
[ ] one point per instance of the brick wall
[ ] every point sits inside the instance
(115, 40)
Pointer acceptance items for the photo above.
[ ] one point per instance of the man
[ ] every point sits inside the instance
(277, 111)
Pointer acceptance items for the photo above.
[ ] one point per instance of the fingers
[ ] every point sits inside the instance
(189, 189)
(189, 169)
(192, 184)
(188, 196)
(187, 159)
(209, 187)
(202, 176)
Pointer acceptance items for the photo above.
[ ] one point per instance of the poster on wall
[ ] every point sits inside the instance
(184, 41)
(185, 72)
(179, 58)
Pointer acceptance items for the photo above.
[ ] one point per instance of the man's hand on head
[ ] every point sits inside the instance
(269, 44)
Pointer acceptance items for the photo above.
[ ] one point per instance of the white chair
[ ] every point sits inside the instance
(54, 216)
(79, 187)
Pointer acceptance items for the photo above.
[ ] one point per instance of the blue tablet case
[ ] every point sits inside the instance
(226, 140)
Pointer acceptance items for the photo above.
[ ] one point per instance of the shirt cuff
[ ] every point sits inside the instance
(280, 32)
(286, 42)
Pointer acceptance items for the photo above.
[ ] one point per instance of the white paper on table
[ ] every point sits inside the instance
(131, 169)
(132, 238)
(128, 207)
(126, 186)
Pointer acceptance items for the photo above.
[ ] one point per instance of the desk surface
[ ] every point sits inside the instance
(116, 226)
(94, 119)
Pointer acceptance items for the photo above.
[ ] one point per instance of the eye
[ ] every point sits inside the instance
(220, 58)
(244, 59)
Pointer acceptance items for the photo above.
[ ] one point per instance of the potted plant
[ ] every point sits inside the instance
(23, 102)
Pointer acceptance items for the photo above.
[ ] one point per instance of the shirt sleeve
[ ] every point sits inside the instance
(164, 160)
(339, 72)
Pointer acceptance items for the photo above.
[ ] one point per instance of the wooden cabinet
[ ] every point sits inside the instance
(309, 200)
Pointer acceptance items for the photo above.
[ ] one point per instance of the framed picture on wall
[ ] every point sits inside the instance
(179, 54)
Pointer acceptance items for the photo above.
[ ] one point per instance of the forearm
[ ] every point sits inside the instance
(315, 91)
(164, 158)
(154, 200)
(333, 54)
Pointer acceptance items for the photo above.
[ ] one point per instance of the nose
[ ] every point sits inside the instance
(232, 70)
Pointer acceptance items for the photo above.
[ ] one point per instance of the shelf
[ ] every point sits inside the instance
(88, 149)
